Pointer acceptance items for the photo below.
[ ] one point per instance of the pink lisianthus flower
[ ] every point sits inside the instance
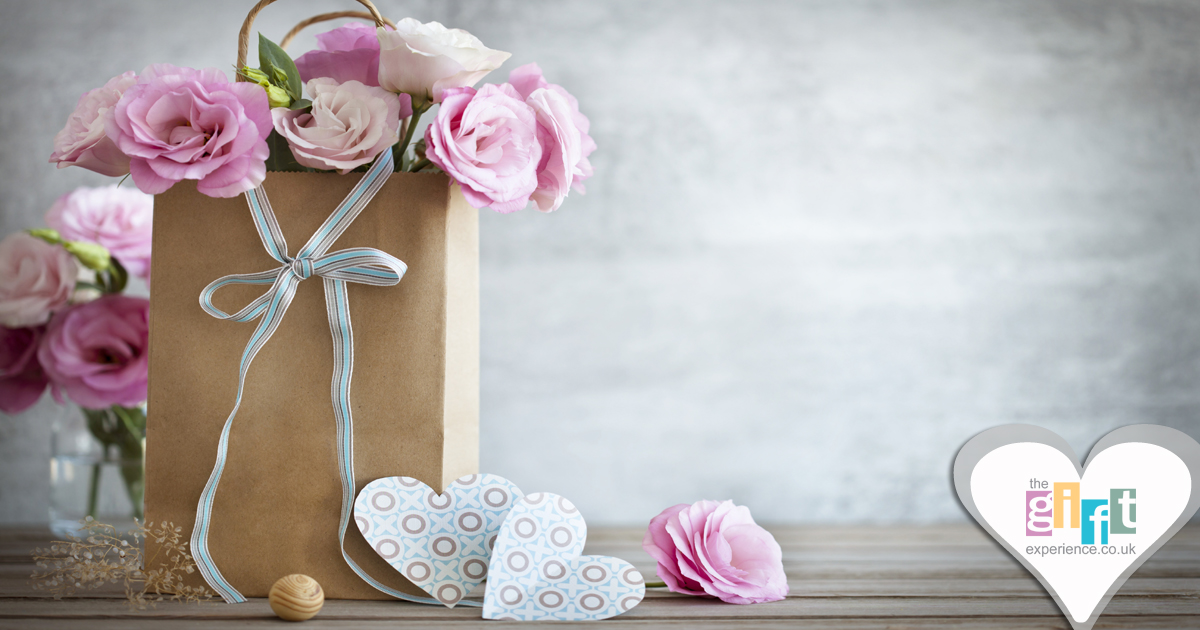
(349, 124)
(716, 549)
(35, 279)
(487, 141)
(119, 219)
(346, 53)
(22, 379)
(527, 80)
(82, 141)
(181, 123)
(95, 352)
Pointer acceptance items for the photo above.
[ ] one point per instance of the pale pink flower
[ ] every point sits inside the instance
(716, 549)
(350, 123)
(346, 53)
(95, 353)
(82, 142)
(35, 279)
(425, 60)
(527, 79)
(180, 123)
(487, 141)
(119, 219)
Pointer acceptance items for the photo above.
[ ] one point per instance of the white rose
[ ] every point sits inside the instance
(425, 59)
(349, 125)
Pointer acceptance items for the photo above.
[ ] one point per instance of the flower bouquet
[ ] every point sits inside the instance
(336, 109)
(67, 325)
(323, 150)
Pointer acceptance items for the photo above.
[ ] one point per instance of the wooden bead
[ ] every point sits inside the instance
(296, 597)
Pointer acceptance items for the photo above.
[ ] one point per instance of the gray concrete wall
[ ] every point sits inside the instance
(827, 241)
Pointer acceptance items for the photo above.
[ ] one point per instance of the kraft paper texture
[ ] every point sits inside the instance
(414, 393)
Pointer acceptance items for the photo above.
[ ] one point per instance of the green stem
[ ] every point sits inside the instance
(420, 165)
(656, 584)
(94, 490)
(132, 454)
(408, 135)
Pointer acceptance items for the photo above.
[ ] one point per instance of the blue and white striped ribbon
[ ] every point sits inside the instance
(359, 264)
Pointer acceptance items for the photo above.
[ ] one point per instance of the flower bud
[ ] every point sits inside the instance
(46, 234)
(256, 75)
(92, 256)
(278, 97)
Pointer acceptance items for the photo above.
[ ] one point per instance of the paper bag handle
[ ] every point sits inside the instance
(325, 17)
(244, 35)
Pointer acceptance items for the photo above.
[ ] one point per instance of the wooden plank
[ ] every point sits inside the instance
(668, 606)
(856, 577)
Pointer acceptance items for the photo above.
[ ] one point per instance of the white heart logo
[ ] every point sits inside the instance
(1080, 531)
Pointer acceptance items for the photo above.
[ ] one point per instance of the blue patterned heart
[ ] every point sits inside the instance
(537, 574)
(440, 542)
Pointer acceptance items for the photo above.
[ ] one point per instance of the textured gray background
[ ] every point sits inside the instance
(827, 241)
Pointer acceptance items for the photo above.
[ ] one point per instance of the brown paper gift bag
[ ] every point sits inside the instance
(415, 386)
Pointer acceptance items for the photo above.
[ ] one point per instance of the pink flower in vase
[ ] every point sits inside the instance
(487, 141)
(181, 123)
(117, 218)
(95, 352)
(346, 53)
(82, 141)
(22, 379)
(716, 549)
(35, 279)
(528, 80)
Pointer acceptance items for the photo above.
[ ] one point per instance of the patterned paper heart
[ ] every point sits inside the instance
(440, 542)
(537, 573)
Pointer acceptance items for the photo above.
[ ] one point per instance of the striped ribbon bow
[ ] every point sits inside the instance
(363, 265)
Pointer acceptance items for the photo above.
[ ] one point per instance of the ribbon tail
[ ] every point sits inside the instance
(337, 307)
(282, 294)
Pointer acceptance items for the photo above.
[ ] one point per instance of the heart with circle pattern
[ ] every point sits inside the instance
(440, 542)
(538, 574)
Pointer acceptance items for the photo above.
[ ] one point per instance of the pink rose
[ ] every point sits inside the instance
(528, 79)
(346, 53)
(22, 380)
(96, 352)
(716, 549)
(424, 60)
(487, 141)
(35, 278)
(348, 126)
(117, 218)
(82, 142)
(180, 123)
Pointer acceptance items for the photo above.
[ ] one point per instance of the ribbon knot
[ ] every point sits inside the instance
(362, 265)
(302, 268)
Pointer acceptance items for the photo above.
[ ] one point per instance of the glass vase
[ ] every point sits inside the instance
(97, 469)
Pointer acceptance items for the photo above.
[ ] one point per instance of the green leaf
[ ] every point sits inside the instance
(301, 104)
(271, 58)
(118, 275)
(281, 158)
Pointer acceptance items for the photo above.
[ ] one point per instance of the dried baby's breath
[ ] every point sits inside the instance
(97, 556)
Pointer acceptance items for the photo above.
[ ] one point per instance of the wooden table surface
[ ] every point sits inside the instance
(844, 577)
